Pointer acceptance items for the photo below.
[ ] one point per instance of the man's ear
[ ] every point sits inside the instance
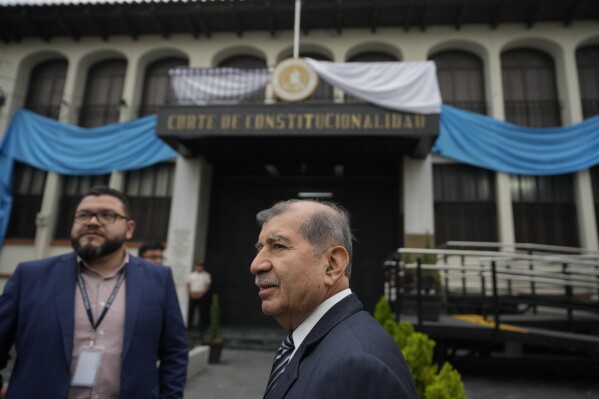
(130, 229)
(338, 259)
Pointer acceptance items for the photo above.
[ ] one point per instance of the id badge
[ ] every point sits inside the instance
(88, 365)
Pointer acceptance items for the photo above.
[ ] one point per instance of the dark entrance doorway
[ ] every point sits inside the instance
(232, 232)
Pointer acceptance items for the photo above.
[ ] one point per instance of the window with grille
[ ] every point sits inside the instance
(544, 209)
(370, 56)
(149, 191)
(44, 96)
(587, 60)
(73, 187)
(461, 80)
(46, 85)
(103, 94)
(27, 192)
(157, 90)
(529, 88)
(465, 205)
(595, 182)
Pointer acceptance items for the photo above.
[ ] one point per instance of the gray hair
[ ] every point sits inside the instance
(325, 227)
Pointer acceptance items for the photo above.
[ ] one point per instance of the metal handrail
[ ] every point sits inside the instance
(528, 246)
(495, 255)
(563, 272)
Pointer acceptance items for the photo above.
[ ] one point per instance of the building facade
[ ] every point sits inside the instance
(97, 64)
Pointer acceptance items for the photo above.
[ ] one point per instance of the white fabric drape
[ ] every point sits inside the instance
(202, 85)
(400, 86)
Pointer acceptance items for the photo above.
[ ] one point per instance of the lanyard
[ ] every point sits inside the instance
(87, 304)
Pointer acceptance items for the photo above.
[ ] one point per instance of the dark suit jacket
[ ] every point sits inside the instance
(37, 315)
(346, 355)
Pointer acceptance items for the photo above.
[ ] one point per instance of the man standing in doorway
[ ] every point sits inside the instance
(334, 349)
(96, 322)
(198, 287)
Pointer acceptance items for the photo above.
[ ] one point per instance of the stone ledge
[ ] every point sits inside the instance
(198, 360)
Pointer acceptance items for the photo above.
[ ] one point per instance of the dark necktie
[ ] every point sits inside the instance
(279, 363)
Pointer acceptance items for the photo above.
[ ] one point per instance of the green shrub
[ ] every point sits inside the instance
(446, 385)
(418, 350)
(418, 353)
(403, 331)
(382, 311)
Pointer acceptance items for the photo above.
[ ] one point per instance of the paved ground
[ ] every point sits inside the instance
(243, 374)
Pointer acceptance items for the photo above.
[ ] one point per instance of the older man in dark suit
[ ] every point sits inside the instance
(334, 348)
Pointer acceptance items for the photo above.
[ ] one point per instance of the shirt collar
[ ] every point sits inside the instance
(302, 331)
(85, 268)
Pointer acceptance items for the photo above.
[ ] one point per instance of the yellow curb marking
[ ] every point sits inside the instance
(478, 319)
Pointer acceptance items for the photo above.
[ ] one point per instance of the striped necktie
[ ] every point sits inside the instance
(279, 363)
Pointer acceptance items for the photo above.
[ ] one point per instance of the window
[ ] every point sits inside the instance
(544, 209)
(103, 94)
(157, 90)
(461, 80)
(149, 191)
(46, 84)
(529, 88)
(44, 97)
(27, 191)
(595, 182)
(72, 190)
(465, 207)
(587, 59)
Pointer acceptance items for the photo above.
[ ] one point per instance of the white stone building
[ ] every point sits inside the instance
(97, 63)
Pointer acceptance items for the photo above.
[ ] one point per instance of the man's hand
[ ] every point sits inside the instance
(196, 295)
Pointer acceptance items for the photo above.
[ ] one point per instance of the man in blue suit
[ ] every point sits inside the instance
(336, 349)
(96, 322)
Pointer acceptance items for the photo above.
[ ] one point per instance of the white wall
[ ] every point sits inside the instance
(17, 60)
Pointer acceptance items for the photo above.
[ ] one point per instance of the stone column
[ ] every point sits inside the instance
(505, 212)
(45, 220)
(418, 200)
(188, 221)
(583, 188)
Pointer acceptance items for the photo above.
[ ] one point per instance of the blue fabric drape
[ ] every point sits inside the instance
(464, 136)
(70, 150)
(488, 143)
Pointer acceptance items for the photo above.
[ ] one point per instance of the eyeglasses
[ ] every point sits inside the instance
(104, 217)
(155, 257)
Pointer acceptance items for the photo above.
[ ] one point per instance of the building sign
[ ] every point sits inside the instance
(294, 80)
(305, 119)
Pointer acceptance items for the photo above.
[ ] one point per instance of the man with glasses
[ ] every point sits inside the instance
(152, 251)
(97, 322)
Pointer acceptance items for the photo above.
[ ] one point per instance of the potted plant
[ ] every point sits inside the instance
(214, 340)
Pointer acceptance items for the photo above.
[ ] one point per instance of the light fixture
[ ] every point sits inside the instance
(271, 169)
(315, 194)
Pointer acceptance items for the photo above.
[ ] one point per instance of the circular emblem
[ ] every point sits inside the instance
(294, 80)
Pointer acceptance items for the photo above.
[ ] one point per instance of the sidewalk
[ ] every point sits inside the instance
(243, 374)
